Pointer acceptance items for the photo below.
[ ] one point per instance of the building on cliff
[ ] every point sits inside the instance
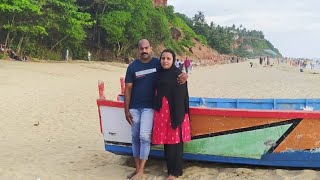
(160, 2)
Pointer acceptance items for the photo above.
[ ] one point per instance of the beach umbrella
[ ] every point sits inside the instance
(269, 51)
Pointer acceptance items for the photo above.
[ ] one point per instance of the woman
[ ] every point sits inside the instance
(171, 125)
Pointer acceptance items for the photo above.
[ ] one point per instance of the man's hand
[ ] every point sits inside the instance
(127, 98)
(129, 117)
(182, 78)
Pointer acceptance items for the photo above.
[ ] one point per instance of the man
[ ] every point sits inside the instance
(181, 65)
(1, 48)
(67, 55)
(177, 64)
(89, 56)
(187, 64)
(139, 95)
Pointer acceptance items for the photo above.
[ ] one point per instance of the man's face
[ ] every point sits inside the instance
(145, 50)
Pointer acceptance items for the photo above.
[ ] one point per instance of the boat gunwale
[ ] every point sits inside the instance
(253, 113)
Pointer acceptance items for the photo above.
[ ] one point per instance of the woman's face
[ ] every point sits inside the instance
(166, 60)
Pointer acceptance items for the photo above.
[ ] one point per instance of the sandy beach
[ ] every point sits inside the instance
(49, 125)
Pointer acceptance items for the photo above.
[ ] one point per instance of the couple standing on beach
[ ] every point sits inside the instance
(157, 108)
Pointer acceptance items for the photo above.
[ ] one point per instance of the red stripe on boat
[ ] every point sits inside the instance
(100, 120)
(234, 112)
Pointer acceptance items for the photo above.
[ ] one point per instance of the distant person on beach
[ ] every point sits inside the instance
(187, 65)
(141, 77)
(268, 61)
(177, 63)
(171, 126)
(305, 63)
(89, 56)
(191, 66)
(65, 55)
(24, 57)
(233, 59)
(312, 65)
(181, 65)
(2, 49)
(13, 55)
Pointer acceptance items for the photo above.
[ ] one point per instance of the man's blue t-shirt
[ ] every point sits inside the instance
(143, 76)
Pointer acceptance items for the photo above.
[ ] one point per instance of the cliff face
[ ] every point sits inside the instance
(160, 2)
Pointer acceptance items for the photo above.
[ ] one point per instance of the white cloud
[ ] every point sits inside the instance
(295, 19)
(270, 21)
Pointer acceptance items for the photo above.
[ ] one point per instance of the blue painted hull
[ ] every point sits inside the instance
(285, 159)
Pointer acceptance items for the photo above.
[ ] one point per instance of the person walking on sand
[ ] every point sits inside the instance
(181, 65)
(186, 65)
(89, 56)
(139, 96)
(171, 126)
(177, 64)
(191, 66)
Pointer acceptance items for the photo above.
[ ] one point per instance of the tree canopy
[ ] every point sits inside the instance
(45, 28)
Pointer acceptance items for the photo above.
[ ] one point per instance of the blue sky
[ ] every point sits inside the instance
(292, 26)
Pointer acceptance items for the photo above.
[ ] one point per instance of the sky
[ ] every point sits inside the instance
(292, 26)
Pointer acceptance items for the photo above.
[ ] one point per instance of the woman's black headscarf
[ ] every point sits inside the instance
(177, 94)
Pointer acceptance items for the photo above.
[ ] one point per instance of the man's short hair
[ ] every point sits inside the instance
(143, 40)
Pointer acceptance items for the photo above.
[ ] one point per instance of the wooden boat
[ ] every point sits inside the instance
(238, 131)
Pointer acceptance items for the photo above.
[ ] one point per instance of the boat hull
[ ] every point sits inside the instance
(256, 137)
(287, 159)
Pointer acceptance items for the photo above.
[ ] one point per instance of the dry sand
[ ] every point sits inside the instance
(49, 127)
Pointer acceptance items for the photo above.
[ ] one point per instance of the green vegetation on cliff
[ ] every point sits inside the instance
(45, 28)
(230, 40)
